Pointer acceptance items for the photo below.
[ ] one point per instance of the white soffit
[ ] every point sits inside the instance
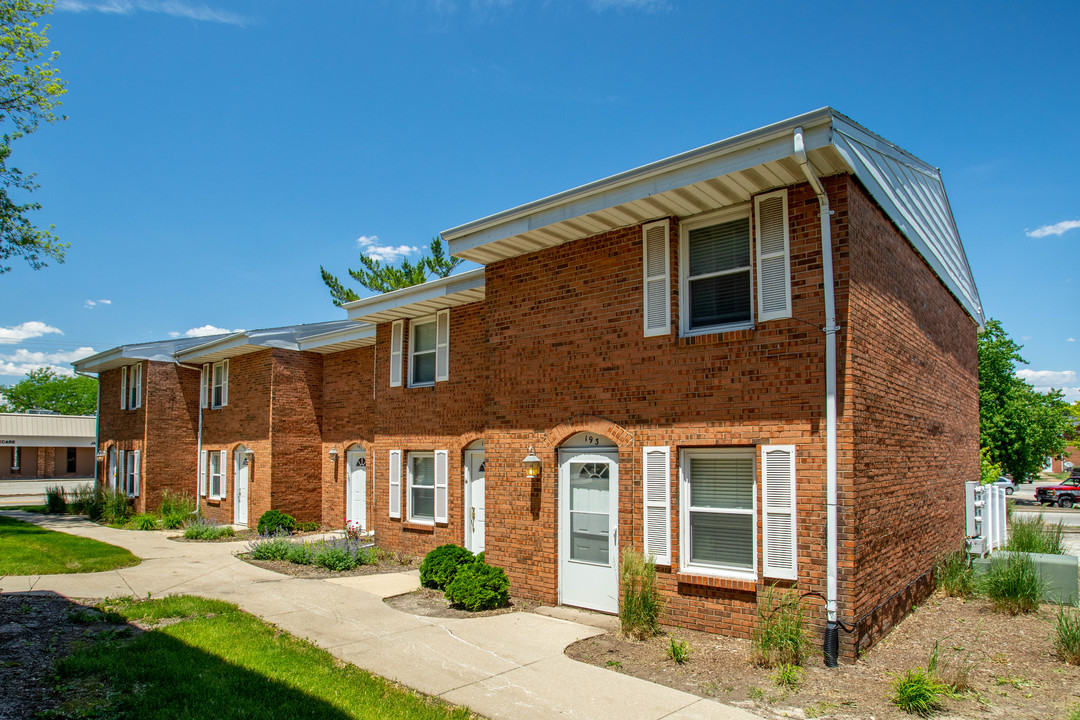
(419, 300)
(354, 336)
(289, 337)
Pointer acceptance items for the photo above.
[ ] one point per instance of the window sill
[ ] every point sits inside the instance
(744, 583)
(216, 502)
(421, 385)
(414, 526)
(717, 329)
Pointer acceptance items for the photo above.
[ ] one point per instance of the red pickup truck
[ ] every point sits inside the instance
(1065, 495)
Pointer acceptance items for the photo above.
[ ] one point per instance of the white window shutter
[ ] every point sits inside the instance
(778, 511)
(442, 346)
(442, 495)
(204, 394)
(773, 271)
(225, 385)
(397, 332)
(222, 463)
(395, 483)
(138, 471)
(655, 249)
(657, 466)
(202, 473)
(121, 476)
(123, 388)
(138, 386)
(112, 469)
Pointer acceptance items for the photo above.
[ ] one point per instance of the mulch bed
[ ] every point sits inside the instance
(319, 573)
(1014, 674)
(433, 603)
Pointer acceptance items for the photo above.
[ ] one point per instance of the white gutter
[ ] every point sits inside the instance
(830, 378)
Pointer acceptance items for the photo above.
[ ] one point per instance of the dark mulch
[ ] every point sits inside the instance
(433, 603)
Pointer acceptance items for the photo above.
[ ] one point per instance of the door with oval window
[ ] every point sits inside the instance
(356, 490)
(589, 529)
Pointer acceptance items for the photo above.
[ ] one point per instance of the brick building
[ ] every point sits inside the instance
(753, 360)
(36, 445)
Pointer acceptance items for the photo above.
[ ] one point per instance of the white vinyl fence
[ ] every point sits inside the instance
(986, 526)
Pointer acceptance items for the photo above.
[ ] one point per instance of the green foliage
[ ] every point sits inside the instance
(1013, 584)
(203, 529)
(300, 554)
(479, 586)
(442, 564)
(788, 676)
(270, 548)
(381, 278)
(1074, 713)
(175, 509)
(781, 635)
(30, 91)
(84, 500)
(44, 389)
(1031, 535)
(954, 575)
(32, 550)
(336, 559)
(678, 650)
(275, 521)
(1067, 634)
(989, 471)
(1019, 427)
(307, 527)
(919, 693)
(953, 667)
(642, 604)
(114, 507)
(55, 502)
(145, 521)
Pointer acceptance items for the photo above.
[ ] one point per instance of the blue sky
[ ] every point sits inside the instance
(217, 153)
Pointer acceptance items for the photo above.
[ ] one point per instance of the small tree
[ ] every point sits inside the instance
(44, 389)
(380, 277)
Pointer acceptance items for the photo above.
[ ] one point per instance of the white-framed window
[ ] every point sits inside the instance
(215, 385)
(134, 387)
(421, 487)
(717, 512)
(131, 473)
(423, 341)
(716, 272)
(215, 470)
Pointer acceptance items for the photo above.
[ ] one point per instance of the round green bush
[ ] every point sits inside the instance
(479, 587)
(334, 558)
(274, 521)
(442, 564)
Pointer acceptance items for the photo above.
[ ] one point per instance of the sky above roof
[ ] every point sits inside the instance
(217, 153)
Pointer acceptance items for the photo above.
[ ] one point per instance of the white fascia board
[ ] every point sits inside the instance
(741, 152)
(441, 287)
(359, 332)
(230, 342)
(100, 362)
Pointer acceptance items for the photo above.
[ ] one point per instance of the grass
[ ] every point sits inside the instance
(955, 576)
(175, 509)
(781, 636)
(1067, 634)
(678, 650)
(919, 693)
(201, 529)
(642, 605)
(1033, 536)
(1013, 584)
(31, 550)
(55, 500)
(214, 661)
(789, 676)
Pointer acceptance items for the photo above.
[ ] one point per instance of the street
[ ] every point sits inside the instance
(32, 492)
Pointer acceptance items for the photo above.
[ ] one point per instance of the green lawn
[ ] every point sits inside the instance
(27, 549)
(219, 662)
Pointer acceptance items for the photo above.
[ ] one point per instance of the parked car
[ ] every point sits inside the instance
(1008, 484)
(1065, 495)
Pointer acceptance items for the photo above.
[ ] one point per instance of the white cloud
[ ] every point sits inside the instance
(204, 331)
(369, 245)
(1071, 340)
(23, 361)
(173, 8)
(92, 303)
(1056, 229)
(1046, 380)
(621, 5)
(32, 329)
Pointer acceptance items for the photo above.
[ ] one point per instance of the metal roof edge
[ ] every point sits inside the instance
(415, 293)
(359, 331)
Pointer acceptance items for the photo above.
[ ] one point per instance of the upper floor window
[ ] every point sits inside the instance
(131, 387)
(717, 273)
(215, 384)
(429, 350)
(422, 352)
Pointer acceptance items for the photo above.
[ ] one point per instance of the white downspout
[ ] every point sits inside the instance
(830, 379)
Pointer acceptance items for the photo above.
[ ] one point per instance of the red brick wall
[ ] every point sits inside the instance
(296, 435)
(1072, 454)
(914, 379)
(120, 429)
(348, 420)
(171, 459)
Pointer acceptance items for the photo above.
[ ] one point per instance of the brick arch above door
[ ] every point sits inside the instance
(588, 423)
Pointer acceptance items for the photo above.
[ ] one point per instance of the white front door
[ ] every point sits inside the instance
(589, 530)
(474, 493)
(356, 490)
(240, 490)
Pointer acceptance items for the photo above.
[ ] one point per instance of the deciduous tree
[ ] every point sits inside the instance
(44, 389)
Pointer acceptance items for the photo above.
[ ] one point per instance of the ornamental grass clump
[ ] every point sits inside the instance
(203, 529)
(955, 576)
(1013, 584)
(84, 501)
(144, 521)
(1032, 535)
(175, 509)
(1067, 634)
(442, 564)
(115, 509)
(781, 636)
(642, 605)
(55, 501)
(919, 693)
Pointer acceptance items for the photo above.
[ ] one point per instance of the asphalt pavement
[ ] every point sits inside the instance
(32, 492)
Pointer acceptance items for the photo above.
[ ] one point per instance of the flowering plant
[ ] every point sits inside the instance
(354, 530)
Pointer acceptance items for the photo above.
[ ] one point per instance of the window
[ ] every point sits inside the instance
(215, 385)
(422, 342)
(717, 512)
(213, 473)
(421, 487)
(716, 273)
(131, 473)
(72, 457)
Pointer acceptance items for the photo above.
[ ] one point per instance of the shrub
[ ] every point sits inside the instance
(82, 500)
(336, 559)
(678, 650)
(114, 507)
(639, 614)
(1031, 535)
(1067, 634)
(442, 564)
(203, 529)
(175, 509)
(918, 693)
(55, 502)
(274, 547)
(955, 576)
(479, 586)
(781, 636)
(307, 526)
(788, 676)
(275, 521)
(144, 521)
(1013, 584)
(301, 554)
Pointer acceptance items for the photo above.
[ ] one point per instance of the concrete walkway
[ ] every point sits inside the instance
(505, 666)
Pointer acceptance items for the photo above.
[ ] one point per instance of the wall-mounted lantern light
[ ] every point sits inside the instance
(100, 455)
(249, 456)
(333, 454)
(532, 464)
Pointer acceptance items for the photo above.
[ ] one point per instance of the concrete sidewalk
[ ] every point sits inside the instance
(505, 666)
